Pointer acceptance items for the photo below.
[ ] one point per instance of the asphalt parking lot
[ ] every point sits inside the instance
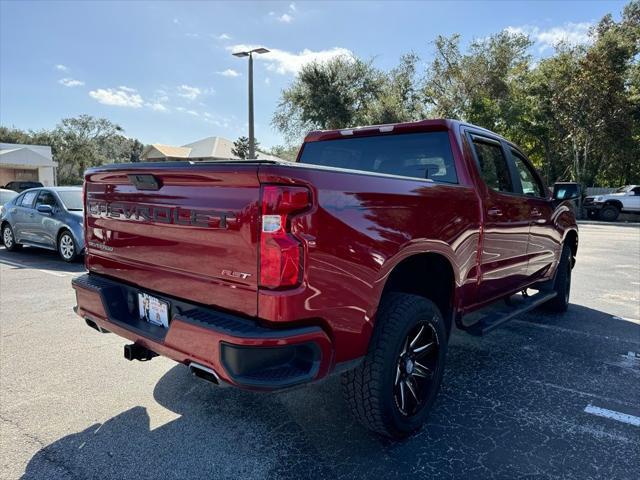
(543, 397)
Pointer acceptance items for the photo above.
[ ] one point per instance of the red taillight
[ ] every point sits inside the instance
(280, 252)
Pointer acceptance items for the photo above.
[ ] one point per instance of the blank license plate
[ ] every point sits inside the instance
(153, 310)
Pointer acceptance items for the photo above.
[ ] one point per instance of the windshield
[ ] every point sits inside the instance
(72, 199)
(420, 155)
(622, 189)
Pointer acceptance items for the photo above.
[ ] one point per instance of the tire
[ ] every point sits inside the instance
(383, 389)
(593, 214)
(67, 248)
(9, 239)
(609, 213)
(562, 283)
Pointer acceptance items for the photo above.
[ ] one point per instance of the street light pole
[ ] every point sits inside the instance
(252, 139)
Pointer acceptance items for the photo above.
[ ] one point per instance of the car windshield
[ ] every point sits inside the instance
(623, 189)
(72, 200)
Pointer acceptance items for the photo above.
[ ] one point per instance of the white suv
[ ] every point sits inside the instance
(609, 206)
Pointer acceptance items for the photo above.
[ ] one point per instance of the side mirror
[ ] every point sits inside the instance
(46, 209)
(563, 192)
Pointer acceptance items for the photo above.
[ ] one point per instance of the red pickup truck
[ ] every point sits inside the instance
(358, 258)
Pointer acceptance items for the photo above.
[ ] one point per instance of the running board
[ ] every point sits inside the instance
(495, 315)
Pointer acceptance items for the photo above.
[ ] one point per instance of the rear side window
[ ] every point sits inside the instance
(494, 168)
(531, 186)
(27, 200)
(420, 155)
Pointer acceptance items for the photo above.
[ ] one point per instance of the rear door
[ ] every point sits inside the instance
(187, 231)
(503, 260)
(23, 227)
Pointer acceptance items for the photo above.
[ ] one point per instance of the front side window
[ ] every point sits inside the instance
(531, 186)
(494, 168)
(27, 200)
(425, 155)
(46, 198)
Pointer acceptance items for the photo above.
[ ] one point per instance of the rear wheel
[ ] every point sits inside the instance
(9, 239)
(392, 391)
(609, 213)
(67, 247)
(562, 283)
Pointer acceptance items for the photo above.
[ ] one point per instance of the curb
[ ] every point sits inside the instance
(610, 224)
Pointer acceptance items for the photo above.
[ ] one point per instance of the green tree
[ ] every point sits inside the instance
(79, 143)
(285, 152)
(334, 94)
(241, 148)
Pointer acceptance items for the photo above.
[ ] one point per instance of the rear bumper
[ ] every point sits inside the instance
(241, 351)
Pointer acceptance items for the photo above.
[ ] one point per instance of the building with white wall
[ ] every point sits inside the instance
(27, 163)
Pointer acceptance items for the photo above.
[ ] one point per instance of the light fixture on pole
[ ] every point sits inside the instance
(249, 53)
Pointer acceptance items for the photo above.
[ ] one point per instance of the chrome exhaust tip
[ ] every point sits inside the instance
(204, 373)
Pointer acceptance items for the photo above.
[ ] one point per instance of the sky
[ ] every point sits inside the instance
(163, 70)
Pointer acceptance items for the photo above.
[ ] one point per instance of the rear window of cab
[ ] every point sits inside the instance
(425, 155)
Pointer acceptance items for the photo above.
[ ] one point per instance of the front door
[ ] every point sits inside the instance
(545, 240)
(46, 225)
(503, 259)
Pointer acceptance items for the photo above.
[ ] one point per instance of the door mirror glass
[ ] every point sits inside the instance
(46, 209)
(566, 191)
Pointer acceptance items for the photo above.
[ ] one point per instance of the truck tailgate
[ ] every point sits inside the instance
(187, 231)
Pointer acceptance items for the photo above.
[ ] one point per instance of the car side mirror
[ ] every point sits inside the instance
(563, 194)
(46, 209)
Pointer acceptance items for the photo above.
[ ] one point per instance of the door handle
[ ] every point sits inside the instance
(535, 212)
(495, 212)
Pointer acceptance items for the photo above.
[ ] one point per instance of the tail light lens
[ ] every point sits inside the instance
(281, 255)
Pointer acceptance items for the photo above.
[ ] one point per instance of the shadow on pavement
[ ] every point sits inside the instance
(498, 416)
(39, 258)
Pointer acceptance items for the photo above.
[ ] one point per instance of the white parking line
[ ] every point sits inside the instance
(24, 265)
(613, 415)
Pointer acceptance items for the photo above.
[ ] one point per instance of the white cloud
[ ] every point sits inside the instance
(181, 109)
(229, 72)
(127, 89)
(192, 35)
(157, 107)
(285, 18)
(224, 36)
(284, 62)
(62, 68)
(117, 97)
(176, 21)
(267, 81)
(193, 112)
(292, 7)
(189, 92)
(572, 33)
(70, 82)
(216, 120)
